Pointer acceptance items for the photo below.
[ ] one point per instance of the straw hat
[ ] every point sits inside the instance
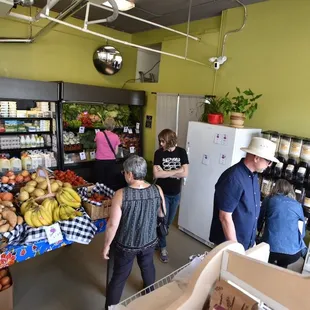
(263, 148)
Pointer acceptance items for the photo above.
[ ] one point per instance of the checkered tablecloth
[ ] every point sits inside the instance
(99, 188)
(6, 187)
(79, 230)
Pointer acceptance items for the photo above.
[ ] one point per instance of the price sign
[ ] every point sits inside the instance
(53, 233)
(132, 149)
(82, 156)
(82, 129)
(92, 155)
(130, 131)
(97, 130)
(137, 131)
(125, 129)
(137, 126)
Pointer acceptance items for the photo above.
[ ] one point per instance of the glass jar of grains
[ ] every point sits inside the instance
(275, 138)
(284, 147)
(305, 151)
(295, 148)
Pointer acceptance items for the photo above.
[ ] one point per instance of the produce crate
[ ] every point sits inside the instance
(6, 296)
(96, 210)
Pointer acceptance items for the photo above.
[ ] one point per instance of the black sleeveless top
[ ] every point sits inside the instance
(137, 228)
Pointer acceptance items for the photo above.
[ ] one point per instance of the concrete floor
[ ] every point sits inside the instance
(74, 277)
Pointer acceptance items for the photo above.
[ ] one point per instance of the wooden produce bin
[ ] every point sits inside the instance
(98, 212)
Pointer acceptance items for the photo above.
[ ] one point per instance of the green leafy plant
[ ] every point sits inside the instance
(212, 105)
(245, 102)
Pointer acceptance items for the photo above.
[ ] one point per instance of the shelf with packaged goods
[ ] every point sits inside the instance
(26, 118)
(26, 149)
(14, 133)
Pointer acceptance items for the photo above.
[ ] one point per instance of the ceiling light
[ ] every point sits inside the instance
(123, 5)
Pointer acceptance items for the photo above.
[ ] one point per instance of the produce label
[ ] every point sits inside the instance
(125, 129)
(53, 233)
(82, 156)
(92, 155)
(82, 129)
(130, 131)
(137, 126)
(132, 149)
(137, 131)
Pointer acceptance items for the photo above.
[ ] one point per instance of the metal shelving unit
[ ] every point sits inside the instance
(26, 149)
(26, 118)
(26, 93)
(25, 133)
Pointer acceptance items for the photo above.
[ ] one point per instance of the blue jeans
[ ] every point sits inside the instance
(172, 203)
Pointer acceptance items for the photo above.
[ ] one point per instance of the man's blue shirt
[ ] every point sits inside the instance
(237, 191)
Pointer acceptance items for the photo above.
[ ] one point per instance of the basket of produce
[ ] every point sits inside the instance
(69, 177)
(97, 200)
(8, 217)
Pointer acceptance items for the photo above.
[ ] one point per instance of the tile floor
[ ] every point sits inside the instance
(74, 277)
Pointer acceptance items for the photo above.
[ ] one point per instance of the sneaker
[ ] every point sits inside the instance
(164, 255)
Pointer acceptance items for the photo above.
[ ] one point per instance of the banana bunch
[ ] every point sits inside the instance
(65, 212)
(68, 197)
(37, 215)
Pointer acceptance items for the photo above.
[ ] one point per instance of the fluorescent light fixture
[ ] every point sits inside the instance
(123, 5)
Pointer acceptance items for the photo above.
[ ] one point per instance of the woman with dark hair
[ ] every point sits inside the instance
(284, 225)
(170, 166)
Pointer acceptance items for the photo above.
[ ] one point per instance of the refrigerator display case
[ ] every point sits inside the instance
(83, 109)
(211, 150)
(28, 123)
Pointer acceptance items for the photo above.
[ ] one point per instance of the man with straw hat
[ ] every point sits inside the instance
(237, 195)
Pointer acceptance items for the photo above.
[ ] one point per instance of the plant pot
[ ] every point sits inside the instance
(215, 118)
(237, 120)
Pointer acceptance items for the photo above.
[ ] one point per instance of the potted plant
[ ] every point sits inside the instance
(213, 110)
(240, 107)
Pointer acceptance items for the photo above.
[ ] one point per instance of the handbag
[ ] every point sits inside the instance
(162, 229)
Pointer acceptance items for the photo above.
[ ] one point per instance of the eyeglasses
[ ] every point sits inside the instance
(268, 161)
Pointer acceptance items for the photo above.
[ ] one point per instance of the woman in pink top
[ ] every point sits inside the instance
(107, 142)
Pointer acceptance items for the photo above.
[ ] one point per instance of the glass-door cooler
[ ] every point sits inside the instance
(28, 125)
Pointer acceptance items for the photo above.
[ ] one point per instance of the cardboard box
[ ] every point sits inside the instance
(230, 298)
(6, 297)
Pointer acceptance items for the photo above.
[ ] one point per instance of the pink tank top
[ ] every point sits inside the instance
(103, 151)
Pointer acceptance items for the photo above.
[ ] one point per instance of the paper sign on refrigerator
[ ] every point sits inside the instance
(217, 138)
(223, 159)
(205, 159)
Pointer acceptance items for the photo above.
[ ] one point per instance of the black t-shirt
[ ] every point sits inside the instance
(170, 161)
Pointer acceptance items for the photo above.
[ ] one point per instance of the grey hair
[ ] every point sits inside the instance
(283, 187)
(137, 166)
(109, 123)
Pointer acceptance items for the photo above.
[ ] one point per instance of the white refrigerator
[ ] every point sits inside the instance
(211, 150)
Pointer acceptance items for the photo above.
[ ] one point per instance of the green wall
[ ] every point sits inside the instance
(270, 56)
(64, 54)
(176, 75)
